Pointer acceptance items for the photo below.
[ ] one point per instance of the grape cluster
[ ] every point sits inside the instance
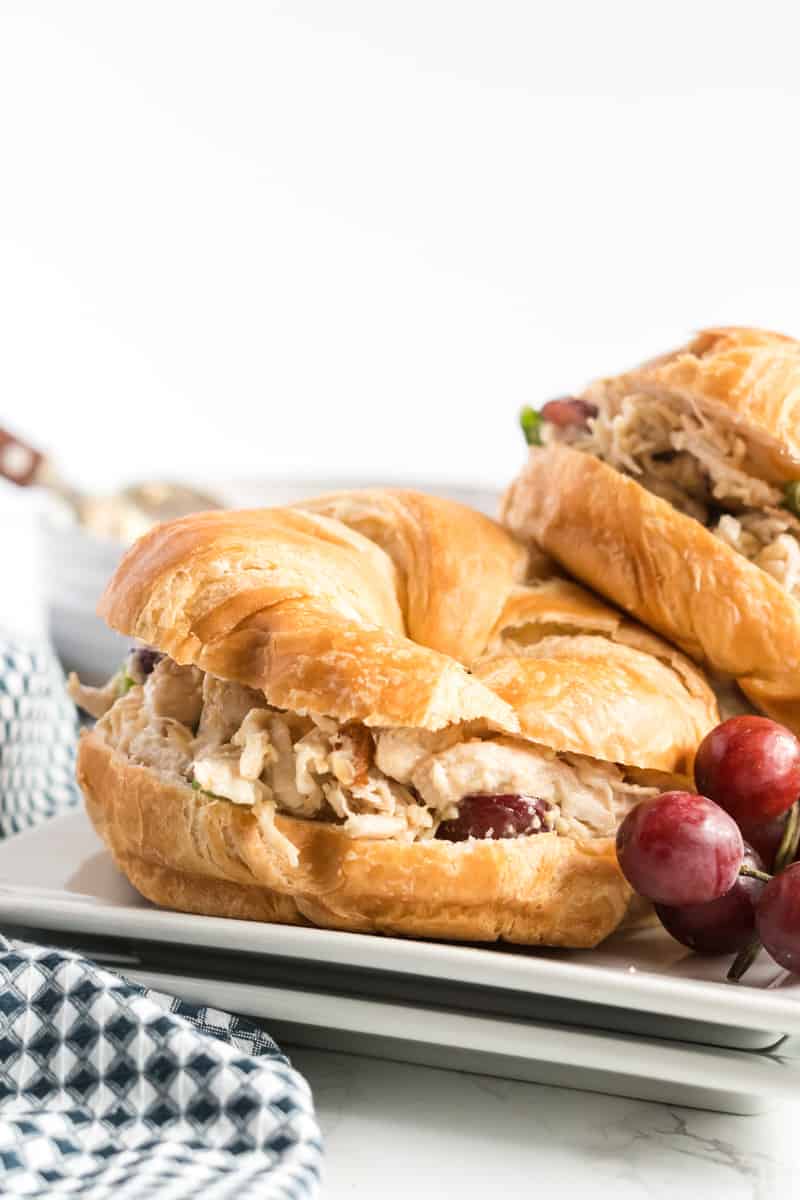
(703, 858)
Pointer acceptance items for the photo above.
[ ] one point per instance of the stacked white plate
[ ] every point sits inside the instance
(638, 1017)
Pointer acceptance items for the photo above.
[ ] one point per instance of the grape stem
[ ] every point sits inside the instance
(744, 959)
(790, 839)
(754, 873)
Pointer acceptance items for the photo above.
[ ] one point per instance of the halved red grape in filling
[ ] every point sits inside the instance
(142, 661)
(567, 411)
(503, 816)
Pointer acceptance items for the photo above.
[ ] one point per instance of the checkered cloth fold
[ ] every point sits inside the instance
(108, 1089)
(38, 733)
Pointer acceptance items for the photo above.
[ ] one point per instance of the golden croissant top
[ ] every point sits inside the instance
(394, 608)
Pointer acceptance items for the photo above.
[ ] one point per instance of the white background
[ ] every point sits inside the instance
(242, 238)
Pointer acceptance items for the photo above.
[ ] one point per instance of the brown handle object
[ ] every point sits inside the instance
(19, 462)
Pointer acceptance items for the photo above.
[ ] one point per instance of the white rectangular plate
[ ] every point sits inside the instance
(59, 877)
(646, 1069)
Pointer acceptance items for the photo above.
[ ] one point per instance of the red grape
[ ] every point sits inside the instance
(568, 410)
(722, 926)
(778, 918)
(141, 662)
(678, 848)
(496, 817)
(751, 767)
(766, 839)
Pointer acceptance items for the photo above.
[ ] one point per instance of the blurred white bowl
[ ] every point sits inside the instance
(76, 565)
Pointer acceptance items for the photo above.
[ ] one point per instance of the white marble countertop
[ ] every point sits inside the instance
(393, 1130)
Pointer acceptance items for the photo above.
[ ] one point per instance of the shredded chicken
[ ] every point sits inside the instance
(221, 775)
(385, 783)
(781, 560)
(589, 797)
(96, 701)
(258, 751)
(399, 751)
(769, 538)
(224, 707)
(659, 441)
(175, 692)
(700, 467)
(265, 815)
(157, 742)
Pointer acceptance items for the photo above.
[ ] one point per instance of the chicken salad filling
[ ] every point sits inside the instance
(401, 783)
(698, 466)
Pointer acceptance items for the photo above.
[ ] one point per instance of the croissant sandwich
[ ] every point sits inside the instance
(674, 490)
(365, 713)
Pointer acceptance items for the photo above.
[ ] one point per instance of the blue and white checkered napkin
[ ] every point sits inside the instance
(108, 1089)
